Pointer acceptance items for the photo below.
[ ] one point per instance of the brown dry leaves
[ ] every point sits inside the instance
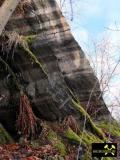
(16, 152)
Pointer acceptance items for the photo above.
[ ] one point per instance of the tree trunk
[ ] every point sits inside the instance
(6, 11)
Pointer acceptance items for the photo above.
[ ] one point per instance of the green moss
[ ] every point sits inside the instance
(87, 140)
(29, 38)
(113, 128)
(71, 135)
(90, 138)
(32, 55)
(89, 121)
(4, 136)
(57, 142)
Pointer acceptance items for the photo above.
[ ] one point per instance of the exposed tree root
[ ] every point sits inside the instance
(27, 121)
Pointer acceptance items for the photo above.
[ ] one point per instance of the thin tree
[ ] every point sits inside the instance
(6, 11)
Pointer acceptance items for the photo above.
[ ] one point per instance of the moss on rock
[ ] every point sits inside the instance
(86, 138)
(89, 121)
(112, 127)
(29, 38)
(90, 138)
(71, 135)
(26, 48)
(57, 142)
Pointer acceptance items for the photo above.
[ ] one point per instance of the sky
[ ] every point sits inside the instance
(95, 24)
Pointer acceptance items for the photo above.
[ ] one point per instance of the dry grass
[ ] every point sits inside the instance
(10, 40)
(13, 40)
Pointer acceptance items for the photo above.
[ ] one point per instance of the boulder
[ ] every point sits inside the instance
(52, 71)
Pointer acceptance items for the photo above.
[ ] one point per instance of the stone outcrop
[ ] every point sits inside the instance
(64, 67)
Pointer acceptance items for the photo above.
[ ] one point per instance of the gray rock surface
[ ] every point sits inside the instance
(62, 58)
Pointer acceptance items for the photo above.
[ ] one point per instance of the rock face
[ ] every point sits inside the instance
(62, 59)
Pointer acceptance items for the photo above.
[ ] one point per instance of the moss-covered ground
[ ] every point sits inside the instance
(111, 127)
